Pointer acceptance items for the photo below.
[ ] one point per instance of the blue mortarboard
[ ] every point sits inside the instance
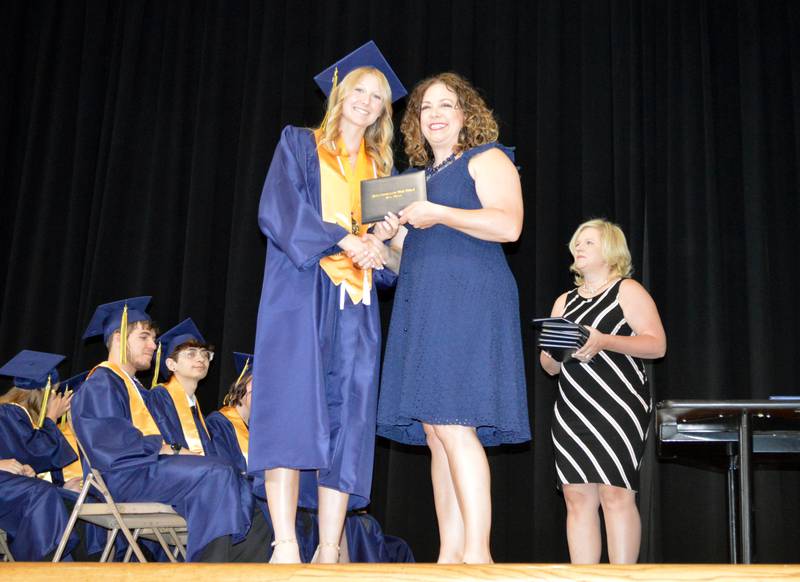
(31, 370)
(107, 318)
(74, 382)
(366, 55)
(243, 362)
(183, 332)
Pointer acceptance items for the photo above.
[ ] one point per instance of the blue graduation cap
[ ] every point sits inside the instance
(108, 317)
(243, 363)
(74, 382)
(183, 332)
(366, 55)
(33, 370)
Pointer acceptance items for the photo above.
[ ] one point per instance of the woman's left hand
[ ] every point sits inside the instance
(594, 345)
(422, 214)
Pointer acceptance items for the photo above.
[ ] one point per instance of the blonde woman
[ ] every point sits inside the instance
(603, 408)
(318, 335)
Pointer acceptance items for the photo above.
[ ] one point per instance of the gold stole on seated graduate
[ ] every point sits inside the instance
(242, 432)
(73, 469)
(140, 415)
(340, 196)
(181, 402)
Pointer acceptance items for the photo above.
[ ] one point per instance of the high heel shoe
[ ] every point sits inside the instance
(315, 557)
(280, 542)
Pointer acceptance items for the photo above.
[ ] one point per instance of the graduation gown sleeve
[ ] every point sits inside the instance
(160, 405)
(224, 439)
(43, 449)
(102, 419)
(286, 214)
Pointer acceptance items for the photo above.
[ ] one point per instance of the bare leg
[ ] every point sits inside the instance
(448, 515)
(282, 489)
(583, 523)
(469, 469)
(332, 510)
(623, 526)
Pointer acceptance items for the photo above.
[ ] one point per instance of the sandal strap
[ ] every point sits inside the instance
(286, 541)
(330, 545)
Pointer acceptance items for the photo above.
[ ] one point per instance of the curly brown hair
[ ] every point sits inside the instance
(480, 126)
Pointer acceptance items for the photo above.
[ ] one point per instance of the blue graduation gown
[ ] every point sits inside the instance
(315, 366)
(227, 446)
(207, 492)
(32, 511)
(33, 515)
(44, 449)
(161, 406)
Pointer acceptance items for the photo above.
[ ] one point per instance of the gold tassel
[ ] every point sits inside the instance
(123, 337)
(335, 81)
(154, 383)
(43, 411)
(244, 370)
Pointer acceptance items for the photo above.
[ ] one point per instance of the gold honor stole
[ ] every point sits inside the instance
(242, 432)
(181, 402)
(340, 194)
(73, 469)
(140, 416)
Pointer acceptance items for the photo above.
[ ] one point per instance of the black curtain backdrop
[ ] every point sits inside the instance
(135, 137)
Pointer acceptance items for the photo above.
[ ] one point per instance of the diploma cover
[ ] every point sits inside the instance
(383, 195)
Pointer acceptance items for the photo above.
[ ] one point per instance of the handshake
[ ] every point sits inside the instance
(367, 251)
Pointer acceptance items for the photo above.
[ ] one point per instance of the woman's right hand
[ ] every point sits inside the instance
(16, 468)
(387, 228)
(58, 405)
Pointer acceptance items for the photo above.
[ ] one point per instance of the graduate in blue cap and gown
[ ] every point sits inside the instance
(123, 441)
(318, 332)
(229, 426)
(32, 510)
(186, 359)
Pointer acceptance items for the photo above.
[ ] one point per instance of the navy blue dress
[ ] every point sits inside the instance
(454, 351)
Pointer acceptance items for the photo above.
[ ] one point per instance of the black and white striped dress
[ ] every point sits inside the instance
(602, 413)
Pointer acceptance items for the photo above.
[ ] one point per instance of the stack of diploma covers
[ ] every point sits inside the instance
(560, 337)
(383, 195)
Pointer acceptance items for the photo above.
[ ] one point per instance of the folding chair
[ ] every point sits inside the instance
(5, 553)
(135, 520)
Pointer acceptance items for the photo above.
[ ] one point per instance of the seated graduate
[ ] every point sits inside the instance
(228, 426)
(173, 404)
(123, 441)
(34, 512)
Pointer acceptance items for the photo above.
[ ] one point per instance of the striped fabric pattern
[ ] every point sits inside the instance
(602, 412)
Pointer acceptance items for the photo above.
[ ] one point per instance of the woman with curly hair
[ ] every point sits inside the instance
(453, 373)
(318, 335)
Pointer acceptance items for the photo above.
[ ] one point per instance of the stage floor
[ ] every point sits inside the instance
(31, 572)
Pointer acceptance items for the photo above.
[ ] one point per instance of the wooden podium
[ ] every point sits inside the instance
(743, 428)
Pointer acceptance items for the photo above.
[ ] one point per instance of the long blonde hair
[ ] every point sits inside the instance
(378, 137)
(613, 245)
(30, 400)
